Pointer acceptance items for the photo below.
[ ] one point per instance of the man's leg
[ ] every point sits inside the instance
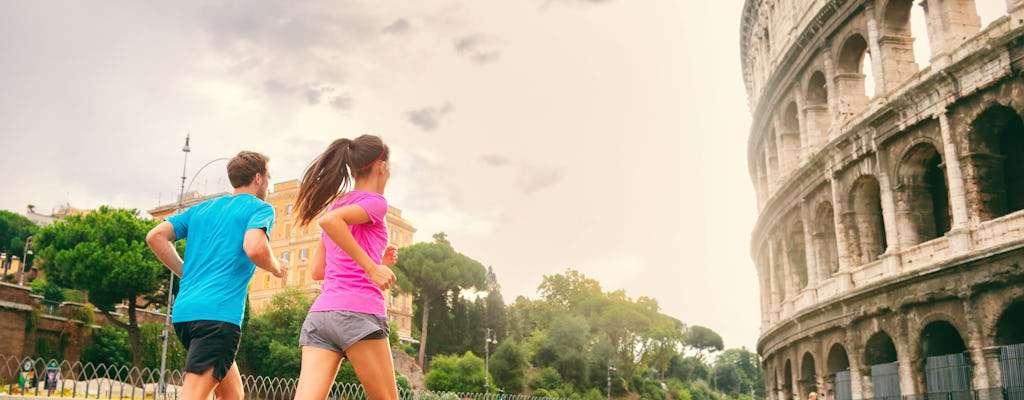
(374, 367)
(198, 386)
(231, 387)
(319, 367)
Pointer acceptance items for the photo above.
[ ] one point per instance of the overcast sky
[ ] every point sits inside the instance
(540, 135)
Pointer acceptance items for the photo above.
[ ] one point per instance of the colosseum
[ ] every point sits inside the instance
(887, 154)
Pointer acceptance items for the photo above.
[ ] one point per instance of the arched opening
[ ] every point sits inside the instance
(922, 42)
(796, 253)
(787, 380)
(1009, 334)
(947, 369)
(838, 367)
(818, 120)
(996, 154)
(868, 220)
(922, 196)
(791, 141)
(1010, 327)
(808, 375)
(897, 43)
(826, 251)
(880, 354)
(852, 75)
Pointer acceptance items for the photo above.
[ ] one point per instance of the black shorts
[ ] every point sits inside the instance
(210, 344)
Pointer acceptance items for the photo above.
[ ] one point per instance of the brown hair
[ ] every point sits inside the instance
(244, 167)
(328, 176)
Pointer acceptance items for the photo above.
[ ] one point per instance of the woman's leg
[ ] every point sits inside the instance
(372, 361)
(319, 367)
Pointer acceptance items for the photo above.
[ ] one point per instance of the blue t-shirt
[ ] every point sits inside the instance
(216, 273)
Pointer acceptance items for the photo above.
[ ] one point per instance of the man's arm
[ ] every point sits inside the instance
(161, 240)
(257, 248)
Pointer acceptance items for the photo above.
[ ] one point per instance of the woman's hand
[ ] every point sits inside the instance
(382, 276)
(390, 255)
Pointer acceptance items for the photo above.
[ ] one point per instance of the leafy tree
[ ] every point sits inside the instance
(703, 340)
(109, 347)
(270, 341)
(14, 229)
(686, 369)
(430, 271)
(747, 367)
(508, 366)
(564, 348)
(105, 253)
(152, 347)
(456, 373)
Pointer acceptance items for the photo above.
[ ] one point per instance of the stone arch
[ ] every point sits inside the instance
(896, 43)
(1009, 329)
(816, 114)
(826, 250)
(796, 254)
(868, 223)
(790, 137)
(922, 197)
(852, 76)
(939, 338)
(837, 370)
(996, 152)
(880, 349)
(881, 358)
(808, 374)
(944, 353)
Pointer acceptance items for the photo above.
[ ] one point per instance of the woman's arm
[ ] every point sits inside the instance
(335, 224)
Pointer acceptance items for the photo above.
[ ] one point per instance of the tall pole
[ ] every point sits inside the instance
(487, 362)
(170, 282)
(610, 369)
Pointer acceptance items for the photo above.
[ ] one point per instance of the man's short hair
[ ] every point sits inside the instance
(244, 167)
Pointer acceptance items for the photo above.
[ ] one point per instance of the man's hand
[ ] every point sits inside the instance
(390, 256)
(282, 268)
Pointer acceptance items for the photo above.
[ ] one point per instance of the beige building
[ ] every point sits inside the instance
(296, 244)
(890, 234)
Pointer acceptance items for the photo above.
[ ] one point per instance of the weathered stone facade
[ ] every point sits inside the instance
(890, 234)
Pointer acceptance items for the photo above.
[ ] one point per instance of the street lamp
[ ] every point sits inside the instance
(24, 260)
(490, 337)
(610, 369)
(170, 282)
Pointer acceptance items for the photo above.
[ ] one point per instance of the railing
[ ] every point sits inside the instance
(51, 378)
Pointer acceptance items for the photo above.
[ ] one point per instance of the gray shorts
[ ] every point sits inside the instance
(337, 330)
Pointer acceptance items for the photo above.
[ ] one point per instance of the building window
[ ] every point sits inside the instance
(303, 254)
(285, 255)
(288, 211)
(266, 281)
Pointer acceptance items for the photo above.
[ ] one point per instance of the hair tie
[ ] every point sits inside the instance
(379, 156)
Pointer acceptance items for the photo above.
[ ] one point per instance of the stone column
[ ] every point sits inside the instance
(890, 257)
(974, 341)
(770, 168)
(831, 86)
(773, 275)
(950, 23)
(990, 355)
(905, 358)
(874, 50)
(959, 234)
(787, 280)
(842, 239)
(810, 250)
